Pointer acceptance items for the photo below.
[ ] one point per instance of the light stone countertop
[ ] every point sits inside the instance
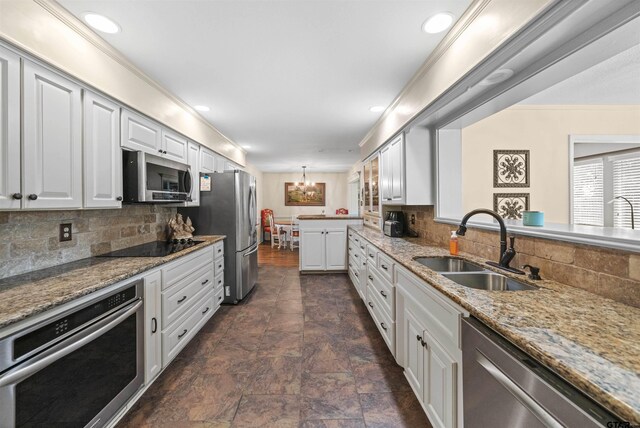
(25, 295)
(591, 341)
(328, 217)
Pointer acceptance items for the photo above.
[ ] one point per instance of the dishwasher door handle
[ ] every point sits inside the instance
(521, 395)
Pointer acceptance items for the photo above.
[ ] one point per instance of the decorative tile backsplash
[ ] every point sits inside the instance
(609, 273)
(30, 238)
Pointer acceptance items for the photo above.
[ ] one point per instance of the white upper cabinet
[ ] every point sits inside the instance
(52, 140)
(102, 153)
(174, 146)
(10, 190)
(207, 160)
(140, 133)
(392, 176)
(194, 169)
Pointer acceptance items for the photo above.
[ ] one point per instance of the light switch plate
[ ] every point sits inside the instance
(65, 232)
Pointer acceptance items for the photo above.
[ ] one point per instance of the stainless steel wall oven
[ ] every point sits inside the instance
(75, 369)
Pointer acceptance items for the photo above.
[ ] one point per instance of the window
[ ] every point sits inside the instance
(626, 183)
(588, 192)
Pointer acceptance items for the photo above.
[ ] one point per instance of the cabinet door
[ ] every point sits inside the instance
(140, 133)
(10, 190)
(52, 140)
(207, 160)
(412, 331)
(336, 248)
(174, 146)
(220, 164)
(152, 316)
(386, 174)
(396, 182)
(102, 153)
(440, 385)
(312, 249)
(194, 166)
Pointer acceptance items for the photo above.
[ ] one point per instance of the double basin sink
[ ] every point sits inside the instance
(472, 275)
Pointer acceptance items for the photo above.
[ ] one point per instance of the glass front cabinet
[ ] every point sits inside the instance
(370, 191)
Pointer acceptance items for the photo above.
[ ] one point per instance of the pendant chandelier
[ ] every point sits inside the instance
(305, 184)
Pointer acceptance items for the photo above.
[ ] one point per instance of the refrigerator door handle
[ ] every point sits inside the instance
(250, 252)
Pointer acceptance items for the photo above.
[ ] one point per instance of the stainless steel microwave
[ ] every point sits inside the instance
(152, 179)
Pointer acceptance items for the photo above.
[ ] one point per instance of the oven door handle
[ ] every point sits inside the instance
(64, 348)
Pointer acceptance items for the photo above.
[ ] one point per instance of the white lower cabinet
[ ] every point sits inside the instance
(152, 316)
(312, 249)
(428, 328)
(323, 244)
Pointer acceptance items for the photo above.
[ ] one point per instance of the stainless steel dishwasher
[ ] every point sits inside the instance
(504, 387)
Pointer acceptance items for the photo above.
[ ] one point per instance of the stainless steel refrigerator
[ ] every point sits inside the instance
(229, 208)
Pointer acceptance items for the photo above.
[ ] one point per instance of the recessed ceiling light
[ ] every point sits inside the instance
(201, 108)
(497, 77)
(438, 23)
(101, 23)
(245, 146)
(377, 109)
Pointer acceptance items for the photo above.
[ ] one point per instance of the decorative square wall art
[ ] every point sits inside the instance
(511, 168)
(510, 205)
(300, 195)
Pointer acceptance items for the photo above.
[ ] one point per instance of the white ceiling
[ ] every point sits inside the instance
(615, 81)
(292, 81)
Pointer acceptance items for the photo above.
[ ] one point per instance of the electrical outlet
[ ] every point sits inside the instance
(413, 219)
(65, 232)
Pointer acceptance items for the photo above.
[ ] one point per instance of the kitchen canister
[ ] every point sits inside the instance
(533, 218)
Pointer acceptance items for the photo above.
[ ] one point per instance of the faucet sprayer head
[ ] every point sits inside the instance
(461, 230)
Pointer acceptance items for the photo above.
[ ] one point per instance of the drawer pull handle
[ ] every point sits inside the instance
(371, 255)
(362, 247)
(419, 338)
(371, 304)
(424, 344)
(219, 297)
(219, 281)
(219, 250)
(370, 277)
(356, 274)
(384, 327)
(205, 311)
(383, 294)
(183, 299)
(154, 325)
(355, 255)
(350, 265)
(205, 281)
(183, 333)
(383, 267)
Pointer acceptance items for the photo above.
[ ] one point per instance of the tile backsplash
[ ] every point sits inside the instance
(30, 238)
(609, 273)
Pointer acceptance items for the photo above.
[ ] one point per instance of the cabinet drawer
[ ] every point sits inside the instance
(351, 233)
(372, 254)
(384, 290)
(441, 317)
(352, 246)
(385, 266)
(179, 269)
(218, 249)
(175, 339)
(176, 300)
(386, 327)
(218, 265)
(218, 282)
(218, 297)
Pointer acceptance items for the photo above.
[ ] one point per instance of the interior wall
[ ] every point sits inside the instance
(544, 130)
(273, 192)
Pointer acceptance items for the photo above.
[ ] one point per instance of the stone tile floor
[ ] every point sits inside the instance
(300, 351)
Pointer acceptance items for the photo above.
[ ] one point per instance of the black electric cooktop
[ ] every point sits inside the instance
(153, 249)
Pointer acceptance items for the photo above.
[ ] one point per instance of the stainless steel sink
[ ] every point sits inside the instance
(488, 281)
(448, 264)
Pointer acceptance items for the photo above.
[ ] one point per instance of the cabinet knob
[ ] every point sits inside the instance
(370, 277)
(119, 198)
(371, 304)
(424, 344)
(419, 338)
(17, 196)
(383, 294)
(154, 323)
(160, 151)
(384, 327)
(164, 152)
(33, 196)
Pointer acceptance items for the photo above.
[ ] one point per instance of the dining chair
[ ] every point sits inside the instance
(294, 239)
(342, 211)
(277, 234)
(266, 224)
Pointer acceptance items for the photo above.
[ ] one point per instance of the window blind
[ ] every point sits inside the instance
(626, 182)
(588, 185)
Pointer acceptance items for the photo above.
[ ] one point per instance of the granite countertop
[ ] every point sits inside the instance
(329, 217)
(591, 341)
(22, 296)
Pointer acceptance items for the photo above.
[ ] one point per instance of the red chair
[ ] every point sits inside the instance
(266, 226)
(342, 211)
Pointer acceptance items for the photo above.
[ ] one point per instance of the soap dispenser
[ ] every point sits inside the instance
(453, 243)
